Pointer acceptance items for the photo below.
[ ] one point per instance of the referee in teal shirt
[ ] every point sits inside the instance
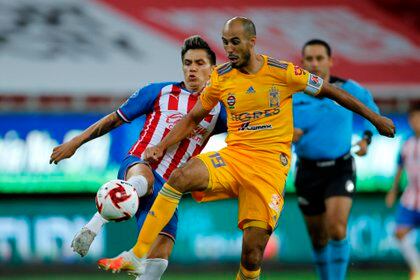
(325, 175)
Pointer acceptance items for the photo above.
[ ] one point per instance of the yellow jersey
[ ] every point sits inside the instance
(259, 106)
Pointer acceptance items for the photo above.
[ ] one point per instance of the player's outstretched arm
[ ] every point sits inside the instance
(101, 127)
(180, 131)
(384, 125)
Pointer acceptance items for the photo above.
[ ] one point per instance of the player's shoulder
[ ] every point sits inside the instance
(223, 68)
(349, 84)
(159, 85)
(276, 63)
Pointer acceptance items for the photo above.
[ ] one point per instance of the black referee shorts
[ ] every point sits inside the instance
(316, 181)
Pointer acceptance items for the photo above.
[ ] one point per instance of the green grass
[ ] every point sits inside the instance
(298, 275)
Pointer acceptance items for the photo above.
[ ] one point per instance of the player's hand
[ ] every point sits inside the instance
(297, 134)
(363, 148)
(391, 197)
(385, 126)
(64, 151)
(153, 154)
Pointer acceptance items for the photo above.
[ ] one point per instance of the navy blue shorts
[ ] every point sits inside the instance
(146, 202)
(406, 217)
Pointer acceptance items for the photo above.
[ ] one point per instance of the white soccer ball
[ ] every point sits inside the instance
(117, 200)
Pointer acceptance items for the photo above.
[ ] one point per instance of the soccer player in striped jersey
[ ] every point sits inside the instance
(408, 211)
(164, 104)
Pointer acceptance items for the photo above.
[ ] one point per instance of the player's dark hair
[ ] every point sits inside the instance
(318, 42)
(415, 107)
(195, 42)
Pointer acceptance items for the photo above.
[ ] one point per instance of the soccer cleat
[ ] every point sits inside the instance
(126, 261)
(82, 241)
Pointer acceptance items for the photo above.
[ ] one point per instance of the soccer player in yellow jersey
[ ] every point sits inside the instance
(257, 93)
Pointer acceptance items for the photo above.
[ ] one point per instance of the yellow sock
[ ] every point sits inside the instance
(159, 215)
(245, 274)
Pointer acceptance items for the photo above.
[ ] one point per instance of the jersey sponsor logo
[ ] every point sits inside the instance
(231, 101)
(298, 71)
(197, 133)
(249, 116)
(173, 119)
(284, 160)
(275, 203)
(250, 90)
(274, 97)
(247, 126)
(217, 160)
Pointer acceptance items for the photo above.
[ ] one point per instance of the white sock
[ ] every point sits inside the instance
(140, 183)
(95, 224)
(409, 251)
(154, 269)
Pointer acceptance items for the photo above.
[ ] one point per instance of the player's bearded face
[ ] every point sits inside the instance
(197, 69)
(316, 60)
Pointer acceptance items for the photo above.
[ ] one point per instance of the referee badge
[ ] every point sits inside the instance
(283, 160)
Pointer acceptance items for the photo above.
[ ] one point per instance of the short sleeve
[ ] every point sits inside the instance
(299, 79)
(139, 103)
(211, 93)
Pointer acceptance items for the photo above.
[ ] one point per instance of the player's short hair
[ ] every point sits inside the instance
(414, 108)
(249, 27)
(247, 24)
(195, 42)
(318, 42)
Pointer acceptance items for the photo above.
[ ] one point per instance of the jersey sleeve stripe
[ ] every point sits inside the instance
(224, 69)
(275, 63)
(122, 116)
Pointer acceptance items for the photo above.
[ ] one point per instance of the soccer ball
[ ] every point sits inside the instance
(117, 200)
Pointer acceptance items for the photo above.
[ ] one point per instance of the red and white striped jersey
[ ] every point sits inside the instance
(410, 159)
(164, 105)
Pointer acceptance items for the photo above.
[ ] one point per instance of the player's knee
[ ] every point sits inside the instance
(252, 259)
(179, 180)
(319, 241)
(337, 231)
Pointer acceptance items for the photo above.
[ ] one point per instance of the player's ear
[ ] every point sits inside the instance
(331, 62)
(253, 41)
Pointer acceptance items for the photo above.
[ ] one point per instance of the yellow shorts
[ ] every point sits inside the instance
(257, 179)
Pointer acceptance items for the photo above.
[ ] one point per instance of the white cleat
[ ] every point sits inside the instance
(82, 241)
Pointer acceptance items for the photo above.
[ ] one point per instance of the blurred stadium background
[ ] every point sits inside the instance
(64, 64)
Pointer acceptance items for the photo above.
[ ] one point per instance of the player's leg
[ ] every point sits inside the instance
(260, 189)
(140, 176)
(406, 220)
(154, 267)
(317, 230)
(193, 176)
(157, 260)
(337, 213)
(254, 241)
(338, 202)
(310, 188)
